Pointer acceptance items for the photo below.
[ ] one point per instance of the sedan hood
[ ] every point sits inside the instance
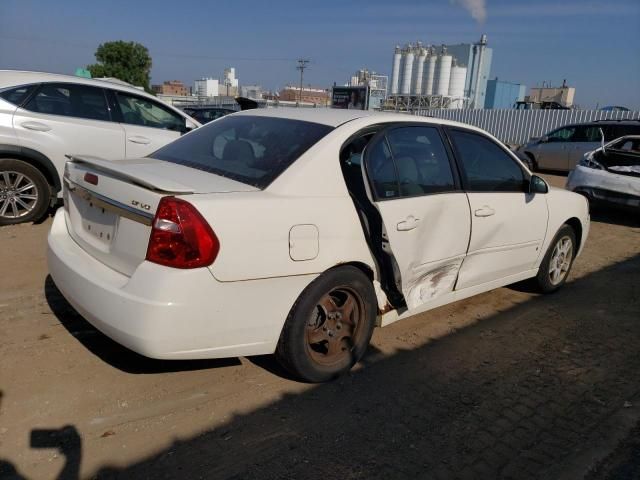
(165, 176)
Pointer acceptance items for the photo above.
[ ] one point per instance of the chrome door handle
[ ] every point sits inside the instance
(484, 212)
(409, 223)
(37, 126)
(139, 139)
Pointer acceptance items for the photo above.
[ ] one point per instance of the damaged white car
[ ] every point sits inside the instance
(610, 174)
(295, 232)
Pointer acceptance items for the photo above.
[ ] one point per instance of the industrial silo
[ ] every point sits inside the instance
(395, 71)
(429, 72)
(443, 73)
(418, 71)
(456, 80)
(405, 88)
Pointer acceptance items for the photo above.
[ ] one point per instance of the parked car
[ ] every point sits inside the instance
(562, 148)
(296, 231)
(610, 174)
(207, 114)
(45, 117)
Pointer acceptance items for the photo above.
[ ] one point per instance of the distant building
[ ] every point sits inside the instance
(251, 91)
(318, 96)
(206, 87)
(377, 86)
(561, 95)
(229, 83)
(364, 77)
(459, 72)
(501, 94)
(171, 87)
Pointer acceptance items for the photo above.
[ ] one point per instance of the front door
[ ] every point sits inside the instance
(424, 211)
(553, 153)
(148, 124)
(508, 224)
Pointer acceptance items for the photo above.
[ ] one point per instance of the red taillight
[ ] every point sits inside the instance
(181, 237)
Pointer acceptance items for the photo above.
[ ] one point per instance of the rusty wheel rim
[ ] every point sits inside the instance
(335, 326)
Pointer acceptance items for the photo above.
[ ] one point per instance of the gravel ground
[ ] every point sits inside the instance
(508, 384)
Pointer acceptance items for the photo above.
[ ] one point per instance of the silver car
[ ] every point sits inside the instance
(563, 148)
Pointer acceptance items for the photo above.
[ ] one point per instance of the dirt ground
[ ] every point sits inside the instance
(508, 384)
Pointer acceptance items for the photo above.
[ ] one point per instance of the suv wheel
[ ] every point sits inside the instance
(24, 192)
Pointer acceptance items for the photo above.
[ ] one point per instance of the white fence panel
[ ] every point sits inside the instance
(518, 126)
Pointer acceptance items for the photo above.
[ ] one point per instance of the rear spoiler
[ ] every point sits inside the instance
(126, 170)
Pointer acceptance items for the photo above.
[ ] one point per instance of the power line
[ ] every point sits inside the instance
(155, 54)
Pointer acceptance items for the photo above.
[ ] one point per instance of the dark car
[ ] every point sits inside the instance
(562, 148)
(207, 114)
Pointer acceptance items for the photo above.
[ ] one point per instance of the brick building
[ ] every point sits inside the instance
(319, 96)
(171, 87)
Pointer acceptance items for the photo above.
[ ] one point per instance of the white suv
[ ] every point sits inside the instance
(44, 118)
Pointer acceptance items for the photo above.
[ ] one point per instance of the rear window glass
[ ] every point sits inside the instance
(252, 150)
(17, 95)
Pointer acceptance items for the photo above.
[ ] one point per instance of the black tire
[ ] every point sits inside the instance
(306, 341)
(544, 279)
(14, 175)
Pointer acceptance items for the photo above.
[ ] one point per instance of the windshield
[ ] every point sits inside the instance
(252, 150)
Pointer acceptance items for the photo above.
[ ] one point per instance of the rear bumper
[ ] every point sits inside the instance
(167, 313)
(606, 187)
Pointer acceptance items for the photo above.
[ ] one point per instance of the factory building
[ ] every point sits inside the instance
(455, 74)
(206, 87)
(501, 94)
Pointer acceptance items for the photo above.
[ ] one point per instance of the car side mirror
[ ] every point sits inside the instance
(538, 185)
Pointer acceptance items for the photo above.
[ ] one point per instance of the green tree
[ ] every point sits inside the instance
(127, 61)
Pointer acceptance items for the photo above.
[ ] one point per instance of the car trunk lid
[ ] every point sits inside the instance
(110, 205)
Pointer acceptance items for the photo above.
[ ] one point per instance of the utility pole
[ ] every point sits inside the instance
(302, 64)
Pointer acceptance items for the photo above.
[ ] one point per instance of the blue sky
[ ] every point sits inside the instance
(595, 45)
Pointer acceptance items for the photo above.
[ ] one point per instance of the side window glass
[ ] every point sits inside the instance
(70, 100)
(486, 166)
(382, 171)
(562, 135)
(147, 113)
(422, 161)
(16, 95)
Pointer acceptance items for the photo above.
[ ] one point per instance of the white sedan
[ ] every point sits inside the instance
(295, 232)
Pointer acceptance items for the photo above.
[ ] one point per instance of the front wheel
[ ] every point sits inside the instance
(330, 325)
(24, 192)
(558, 260)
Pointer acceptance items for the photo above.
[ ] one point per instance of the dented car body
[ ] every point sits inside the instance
(431, 211)
(610, 174)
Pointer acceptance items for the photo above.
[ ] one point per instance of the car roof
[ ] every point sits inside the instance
(10, 78)
(334, 117)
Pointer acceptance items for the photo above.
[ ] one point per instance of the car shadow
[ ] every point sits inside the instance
(615, 216)
(112, 352)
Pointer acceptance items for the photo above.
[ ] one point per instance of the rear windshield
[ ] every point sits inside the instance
(252, 150)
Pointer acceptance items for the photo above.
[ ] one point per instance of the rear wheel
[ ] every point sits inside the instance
(24, 192)
(558, 260)
(330, 326)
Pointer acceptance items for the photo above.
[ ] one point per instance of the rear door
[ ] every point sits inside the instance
(69, 118)
(508, 224)
(585, 139)
(147, 123)
(425, 214)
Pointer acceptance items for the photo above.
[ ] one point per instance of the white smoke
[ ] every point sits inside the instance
(477, 8)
